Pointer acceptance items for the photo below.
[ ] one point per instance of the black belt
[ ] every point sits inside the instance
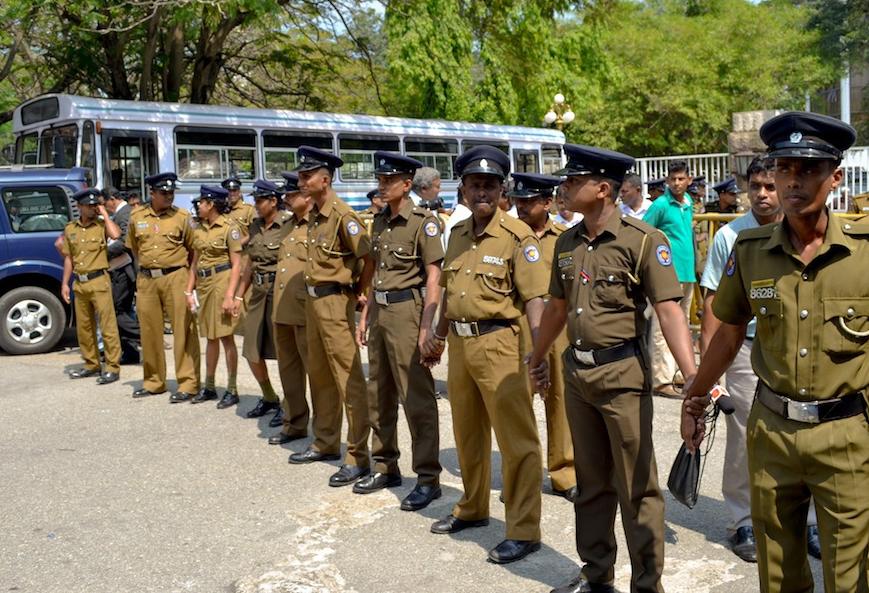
(211, 271)
(812, 412)
(389, 297)
(89, 275)
(593, 358)
(260, 279)
(158, 272)
(324, 290)
(471, 329)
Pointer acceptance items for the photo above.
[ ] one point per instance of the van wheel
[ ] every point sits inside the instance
(31, 320)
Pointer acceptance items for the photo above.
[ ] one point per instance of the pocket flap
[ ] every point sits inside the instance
(845, 307)
(763, 308)
(492, 271)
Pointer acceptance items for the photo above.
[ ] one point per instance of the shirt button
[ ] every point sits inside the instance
(579, 311)
(283, 269)
(468, 271)
(804, 313)
(803, 391)
(584, 281)
(805, 276)
(763, 310)
(850, 312)
(382, 265)
(578, 342)
(591, 247)
(803, 352)
(473, 246)
(380, 281)
(610, 278)
(463, 294)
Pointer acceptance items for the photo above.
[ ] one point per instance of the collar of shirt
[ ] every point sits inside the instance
(84, 226)
(832, 237)
(120, 207)
(612, 227)
(686, 202)
(167, 212)
(493, 228)
(403, 212)
(219, 221)
(305, 217)
(415, 198)
(326, 209)
(549, 228)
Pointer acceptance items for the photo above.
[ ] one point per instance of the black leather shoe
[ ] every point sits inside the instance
(203, 396)
(311, 455)
(229, 399)
(569, 494)
(178, 397)
(377, 481)
(262, 408)
(743, 544)
(107, 378)
(511, 550)
(579, 585)
(281, 438)
(452, 524)
(814, 542)
(420, 497)
(83, 373)
(277, 419)
(142, 392)
(347, 474)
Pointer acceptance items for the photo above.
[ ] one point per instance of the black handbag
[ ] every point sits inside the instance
(684, 480)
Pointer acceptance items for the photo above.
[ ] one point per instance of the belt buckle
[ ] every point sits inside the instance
(156, 273)
(81, 277)
(585, 357)
(463, 330)
(381, 297)
(803, 412)
(312, 291)
(257, 278)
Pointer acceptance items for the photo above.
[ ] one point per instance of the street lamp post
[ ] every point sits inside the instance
(559, 113)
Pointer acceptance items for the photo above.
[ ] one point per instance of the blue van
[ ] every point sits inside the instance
(35, 205)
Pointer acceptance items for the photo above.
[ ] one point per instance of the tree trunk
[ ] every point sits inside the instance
(174, 72)
(209, 59)
(146, 82)
(113, 47)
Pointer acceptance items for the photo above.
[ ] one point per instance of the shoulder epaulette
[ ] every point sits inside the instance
(858, 226)
(761, 232)
(521, 230)
(638, 224)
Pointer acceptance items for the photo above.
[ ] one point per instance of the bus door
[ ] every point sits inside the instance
(128, 157)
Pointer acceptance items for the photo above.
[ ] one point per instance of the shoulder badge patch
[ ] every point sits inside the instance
(234, 234)
(665, 258)
(532, 254)
(730, 266)
(431, 229)
(353, 228)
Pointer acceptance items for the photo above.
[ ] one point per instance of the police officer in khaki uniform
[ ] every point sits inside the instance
(288, 314)
(337, 243)
(376, 200)
(728, 193)
(407, 250)
(604, 270)
(216, 270)
(492, 272)
(532, 194)
(262, 250)
(240, 212)
(805, 281)
(160, 237)
(85, 258)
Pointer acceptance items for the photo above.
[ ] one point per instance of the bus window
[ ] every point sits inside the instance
(438, 153)
(211, 154)
(88, 149)
(280, 149)
(502, 146)
(128, 157)
(40, 110)
(58, 146)
(551, 158)
(525, 161)
(27, 149)
(357, 151)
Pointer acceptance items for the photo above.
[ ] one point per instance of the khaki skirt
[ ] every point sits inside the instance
(259, 337)
(213, 323)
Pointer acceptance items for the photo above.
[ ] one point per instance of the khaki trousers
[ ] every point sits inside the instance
(488, 390)
(663, 364)
(291, 343)
(789, 462)
(396, 375)
(610, 414)
(154, 296)
(335, 373)
(93, 300)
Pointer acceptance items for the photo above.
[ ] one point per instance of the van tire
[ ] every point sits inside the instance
(43, 327)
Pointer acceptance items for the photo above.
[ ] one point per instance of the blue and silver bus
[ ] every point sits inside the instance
(122, 142)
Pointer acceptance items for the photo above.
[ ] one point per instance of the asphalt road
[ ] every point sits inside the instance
(103, 493)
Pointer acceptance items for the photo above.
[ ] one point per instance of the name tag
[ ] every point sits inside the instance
(565, 260)
(491, 259)
(763, 289)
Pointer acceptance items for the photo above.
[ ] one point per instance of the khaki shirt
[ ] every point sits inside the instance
(809, 317)
(242, 214)
(86, 246)
(215, 242)
(551, 232)
(264, 245)
(492, 276)
(337, 240)
(403, 246)
(289, 285)
(607, 280)
(160, 240)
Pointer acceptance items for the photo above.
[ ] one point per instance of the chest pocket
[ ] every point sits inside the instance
(846, 326)
(770, 326)
(174, 235)
(494, 279)
(453, 267)
(299, 250)
(402, 252)
(610, 288)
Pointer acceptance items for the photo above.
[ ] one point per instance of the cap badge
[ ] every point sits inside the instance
(796, 137)
(519, 185)
(484, 163)
(382, 161)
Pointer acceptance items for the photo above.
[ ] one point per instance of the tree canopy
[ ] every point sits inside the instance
(654, 77)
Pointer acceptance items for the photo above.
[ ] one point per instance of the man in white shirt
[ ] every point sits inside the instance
(426, 186)
(631, 199)
(460, 213)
